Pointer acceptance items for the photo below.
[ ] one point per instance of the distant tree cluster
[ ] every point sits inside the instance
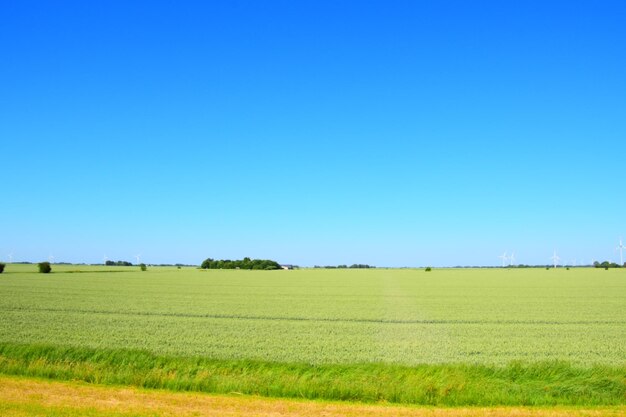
(607, 265)
(118, 263)
(353, 266)
(245, 263)
(44, 267)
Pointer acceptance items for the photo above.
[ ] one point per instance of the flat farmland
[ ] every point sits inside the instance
(450, 337)
(318, 316)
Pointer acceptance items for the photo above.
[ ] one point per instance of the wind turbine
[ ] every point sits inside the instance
(512, 259)
(51, 258)
(104, 259)
(555, 258)
(620, 248)
(138, 257)
(10, 256)
(504, 258)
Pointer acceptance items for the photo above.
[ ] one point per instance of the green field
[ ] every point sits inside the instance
(289, 333)
(325, 316)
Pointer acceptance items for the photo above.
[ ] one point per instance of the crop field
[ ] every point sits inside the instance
(324, 316)
(450, 336)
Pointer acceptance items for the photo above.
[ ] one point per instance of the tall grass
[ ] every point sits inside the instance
(546, 383)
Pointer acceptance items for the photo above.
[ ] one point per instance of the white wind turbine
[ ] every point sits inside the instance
(138, 257)
(504, 258)
(10, 256)
(105, 258)
(512, 259)
(51, 258)
(555, 258)
(620, 248)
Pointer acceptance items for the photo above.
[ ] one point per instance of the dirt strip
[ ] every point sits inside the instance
(28, 397)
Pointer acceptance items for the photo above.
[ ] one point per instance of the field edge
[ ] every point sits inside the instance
(516, 384)
(33, 397)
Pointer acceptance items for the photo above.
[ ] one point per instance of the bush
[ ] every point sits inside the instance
(428, 269)
(143, 267)
(44, 267)
(2, 267)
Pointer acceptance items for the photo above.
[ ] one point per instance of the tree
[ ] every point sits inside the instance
(245, 263)
(2, 267)
(44, 267)
(118, 263)
(143, 267)
(606, 265)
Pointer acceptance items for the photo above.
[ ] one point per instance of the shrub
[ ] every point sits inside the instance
(44, 267)
(2, 267)
(428, 269)
(143, 267)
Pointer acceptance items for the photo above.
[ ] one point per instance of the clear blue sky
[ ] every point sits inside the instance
(397, 133)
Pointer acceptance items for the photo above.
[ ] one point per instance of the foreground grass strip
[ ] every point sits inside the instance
(537, 384)
(24, 397)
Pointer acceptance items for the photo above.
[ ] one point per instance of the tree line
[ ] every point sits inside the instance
(118, 263)
(245, 263)
(607, 265)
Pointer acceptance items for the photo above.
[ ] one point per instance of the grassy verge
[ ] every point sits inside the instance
(536, 384)
(30, 397)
